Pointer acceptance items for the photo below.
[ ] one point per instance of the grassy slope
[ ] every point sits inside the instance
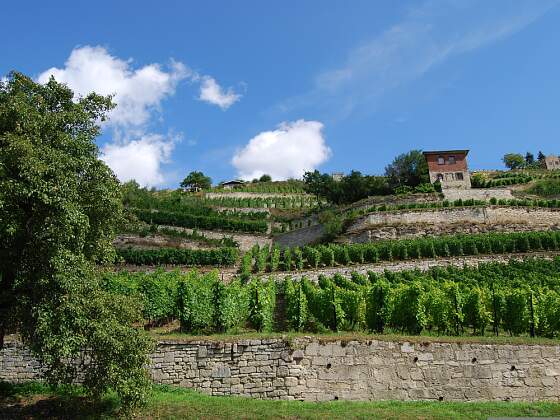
(37, 401)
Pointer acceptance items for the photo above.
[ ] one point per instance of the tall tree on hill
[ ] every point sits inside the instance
(513, 160)
(196, 180)
(408, 169)
(541, 158)
(529, 158)
(59, 207)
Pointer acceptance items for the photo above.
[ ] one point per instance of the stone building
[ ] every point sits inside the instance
(552, 162)
(337, 176)
(449, 167)
(230, 185)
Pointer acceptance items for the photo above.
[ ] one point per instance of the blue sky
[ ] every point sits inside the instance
(243, 88)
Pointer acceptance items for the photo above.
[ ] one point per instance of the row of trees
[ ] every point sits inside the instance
(407, 170)
(518, 161)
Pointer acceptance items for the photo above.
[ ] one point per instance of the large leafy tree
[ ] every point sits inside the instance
(513, 160)
(409, 169)
(196, 180)
(59, 206)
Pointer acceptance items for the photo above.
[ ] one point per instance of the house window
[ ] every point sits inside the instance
(451, 160)
(440, 177)
(441, 160)
(459, 176)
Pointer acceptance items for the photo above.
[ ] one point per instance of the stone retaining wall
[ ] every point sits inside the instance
(312, 370)
(300, 237)
(446, 221)
(245, 240)
(421, 265)
(453, 194)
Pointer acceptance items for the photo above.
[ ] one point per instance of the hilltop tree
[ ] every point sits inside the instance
(59, 207)
(513, 160)
(196, 180)
(408, 169)
(529, 158)
(541, 158)
(265, 178)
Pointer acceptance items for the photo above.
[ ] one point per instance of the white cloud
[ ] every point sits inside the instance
(287, 152)
(212, 92)
(140, 159)
(138, 92)
(426, 37)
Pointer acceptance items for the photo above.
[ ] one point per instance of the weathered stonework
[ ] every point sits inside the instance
(308, 369)
(453, 194)
(245, 240)
(448, 221)
(409, 265)
(300, 237)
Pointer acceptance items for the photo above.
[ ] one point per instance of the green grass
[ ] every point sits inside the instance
(34, 400)
(546, 188)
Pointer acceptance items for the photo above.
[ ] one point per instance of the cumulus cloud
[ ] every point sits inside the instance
(137, 92)
(139, 159)
(287, 152)
(213, 93)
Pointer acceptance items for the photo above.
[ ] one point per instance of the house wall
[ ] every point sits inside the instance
(449, 171)
(552, 162)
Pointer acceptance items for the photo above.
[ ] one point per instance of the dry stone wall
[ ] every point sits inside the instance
(414, 223)
(300, 237)
(421, 265)
(245, 240)
(312, 370)
(453, 194)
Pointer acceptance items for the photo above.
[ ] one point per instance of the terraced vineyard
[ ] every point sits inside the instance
(518, 298)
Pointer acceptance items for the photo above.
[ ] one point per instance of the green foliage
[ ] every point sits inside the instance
(261, 260)
(449, 301)
(246, 265)
(298, 258)
(231, 306)
(196, 181)
(188, 220)
(290, 186)
(442, 246)
(297, 311)
(275, 259)
(287, 262)
(476, 310)
(59, 210)
(262, 300)
(195, 299)
(513, 160)
(350, 188)
(407, 308)
(190, 257)
(312, 255)
(408, 169)
(546, 188)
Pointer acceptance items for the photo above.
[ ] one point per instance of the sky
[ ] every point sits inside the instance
(239, 89)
